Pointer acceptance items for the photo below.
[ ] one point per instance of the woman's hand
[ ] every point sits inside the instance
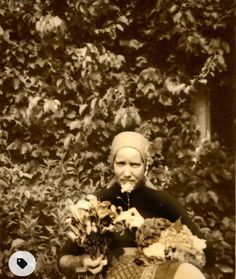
(94, 266)
(131, 218)
(81, 264)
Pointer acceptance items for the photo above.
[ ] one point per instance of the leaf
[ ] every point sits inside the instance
(150, 87)
(203, 81)
(119, 114)
(50, 230)
(177, 17)
(87, 121)
(227, 222)
(3, 184)
(93, 103)
(67, 141)
(173, 9)
(221, 61)
(51, 105)
(213, 196)
(123, 19)
(226, 174)
(57, 21)
(24, 174)
(226, 269)
(214, 178)
(26, 147)
(16, 242)
(82, 108)
(158, 144)
(190, 16)
(16, 83)
(181, 177)
(69, 84)
(174, 87)
(141, 61)
(33, 101)
(54, 250)
(76, 124)
(59, 82)
(27, 194)
(15, 145)
(119, 27)
(40, 62)
(133, 43)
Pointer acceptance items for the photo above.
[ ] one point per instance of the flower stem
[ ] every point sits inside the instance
(128, 200)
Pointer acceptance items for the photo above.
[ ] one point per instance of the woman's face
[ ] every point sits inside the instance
(128, 166)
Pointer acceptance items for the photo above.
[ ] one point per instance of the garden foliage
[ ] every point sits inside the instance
(73, 74)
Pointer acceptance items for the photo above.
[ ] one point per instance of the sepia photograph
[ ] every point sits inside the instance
(117, 139)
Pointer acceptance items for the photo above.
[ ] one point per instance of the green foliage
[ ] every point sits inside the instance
(74, 73)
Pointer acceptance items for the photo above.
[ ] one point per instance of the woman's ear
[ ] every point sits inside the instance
(147, 163)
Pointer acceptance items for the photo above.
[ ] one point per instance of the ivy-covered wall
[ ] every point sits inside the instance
(73, 74)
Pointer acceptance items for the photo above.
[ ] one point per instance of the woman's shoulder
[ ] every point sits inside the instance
(158, 192)
(155, 190)
(161, 196)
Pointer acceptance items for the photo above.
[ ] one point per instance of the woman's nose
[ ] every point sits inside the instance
(127, 172)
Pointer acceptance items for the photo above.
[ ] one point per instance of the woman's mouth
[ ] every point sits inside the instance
(127, 181)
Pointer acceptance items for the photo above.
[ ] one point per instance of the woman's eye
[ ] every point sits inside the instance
(135, 165)
(120, 163)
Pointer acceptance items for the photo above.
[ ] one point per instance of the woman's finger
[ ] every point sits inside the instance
(81, 269)
(92, 263)
(99, 268)
(96, 270)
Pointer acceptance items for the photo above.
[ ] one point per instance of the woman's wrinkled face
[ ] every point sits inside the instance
(128, 166)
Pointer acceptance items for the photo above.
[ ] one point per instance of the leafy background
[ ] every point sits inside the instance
(74, 74)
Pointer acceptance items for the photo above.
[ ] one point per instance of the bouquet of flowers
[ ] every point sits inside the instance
(91, 223)
(160, 240)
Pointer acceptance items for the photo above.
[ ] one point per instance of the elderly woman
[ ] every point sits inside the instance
(131, 190)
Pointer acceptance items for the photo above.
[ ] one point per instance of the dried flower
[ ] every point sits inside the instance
(91, 223)
(157, 236)
(127, 187)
